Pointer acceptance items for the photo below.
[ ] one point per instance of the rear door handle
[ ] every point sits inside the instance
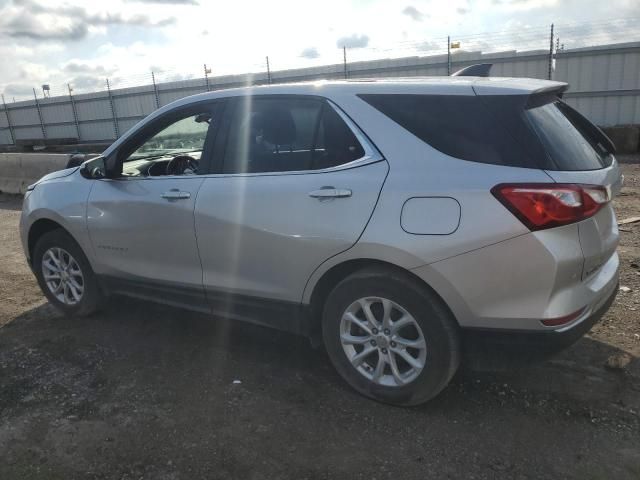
(175, 194)
(330, 192)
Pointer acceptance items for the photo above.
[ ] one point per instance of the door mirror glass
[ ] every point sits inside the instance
(94, 169)
(203, 117)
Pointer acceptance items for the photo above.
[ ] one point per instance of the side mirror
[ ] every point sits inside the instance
(203, 117)
(76, 160)
(94, 169)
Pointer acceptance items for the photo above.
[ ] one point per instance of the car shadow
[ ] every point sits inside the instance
(150, 347)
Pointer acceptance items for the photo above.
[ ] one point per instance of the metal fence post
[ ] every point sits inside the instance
(344, 60)
(207, 71)
(448, 55)
(6, 112)
(550, 54)
(73, 109)
(113, 111)
(268, 71)
(155, 89)
(44, 131)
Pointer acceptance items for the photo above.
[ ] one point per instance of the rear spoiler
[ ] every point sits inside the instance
(483, 69)
(477, 70)
(557, 90)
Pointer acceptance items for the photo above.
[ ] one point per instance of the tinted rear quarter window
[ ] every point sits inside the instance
(498, 130)
(457, 125)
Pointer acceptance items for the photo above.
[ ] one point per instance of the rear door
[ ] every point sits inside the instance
(581, 153)
(297, 185)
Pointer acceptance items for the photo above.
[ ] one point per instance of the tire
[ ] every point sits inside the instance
(60, 243)
(438, 331)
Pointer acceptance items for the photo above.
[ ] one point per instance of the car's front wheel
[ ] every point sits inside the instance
(64, 274)
(389, 337)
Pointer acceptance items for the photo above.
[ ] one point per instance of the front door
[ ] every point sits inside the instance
(141, 223)
(298, 185)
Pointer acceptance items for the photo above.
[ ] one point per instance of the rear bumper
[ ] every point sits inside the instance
(517, 283)
(520, 346)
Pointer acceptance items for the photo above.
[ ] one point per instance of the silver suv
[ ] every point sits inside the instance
(401, 222)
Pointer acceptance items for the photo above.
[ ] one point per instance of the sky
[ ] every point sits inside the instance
(83, 42)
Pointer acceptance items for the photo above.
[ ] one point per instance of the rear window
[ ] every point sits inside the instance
(567, 138)
(502, 130)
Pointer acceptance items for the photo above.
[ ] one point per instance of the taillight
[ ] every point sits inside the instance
(546, 205)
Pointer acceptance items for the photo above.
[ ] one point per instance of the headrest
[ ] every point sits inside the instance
(278, 126)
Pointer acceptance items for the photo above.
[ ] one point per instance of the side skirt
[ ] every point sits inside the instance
(281, 315)
(175, 295)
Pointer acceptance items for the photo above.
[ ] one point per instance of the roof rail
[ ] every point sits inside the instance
(477, 70)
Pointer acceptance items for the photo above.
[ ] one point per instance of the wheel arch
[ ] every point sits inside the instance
(339, 272)
(39, 228)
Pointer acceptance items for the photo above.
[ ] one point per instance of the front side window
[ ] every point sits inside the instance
(173, 149)
(287, 134)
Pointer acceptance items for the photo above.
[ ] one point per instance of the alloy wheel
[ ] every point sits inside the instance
(383, 341)
(63, 276)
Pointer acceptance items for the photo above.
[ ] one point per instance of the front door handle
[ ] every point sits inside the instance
(330, 192)
(175, 194)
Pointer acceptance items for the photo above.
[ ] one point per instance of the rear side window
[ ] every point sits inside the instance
(283, 134)
(509, 130)
(336, 144)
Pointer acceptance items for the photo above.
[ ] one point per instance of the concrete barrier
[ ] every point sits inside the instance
(19, 170)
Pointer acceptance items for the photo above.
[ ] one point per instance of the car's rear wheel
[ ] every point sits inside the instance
(64, 274)
(390, 337)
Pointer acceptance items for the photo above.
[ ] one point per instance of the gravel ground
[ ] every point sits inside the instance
(144, 391)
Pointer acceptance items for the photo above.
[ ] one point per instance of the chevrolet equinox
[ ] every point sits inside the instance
(390, 219)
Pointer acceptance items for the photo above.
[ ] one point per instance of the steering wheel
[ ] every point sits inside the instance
(179, 164)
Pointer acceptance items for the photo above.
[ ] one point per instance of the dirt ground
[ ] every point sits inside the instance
(144, 391)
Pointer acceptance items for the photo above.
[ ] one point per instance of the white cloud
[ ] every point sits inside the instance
(525, 4)
(353, 41)
(310, 52)
(41, 21)
(413, 13)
